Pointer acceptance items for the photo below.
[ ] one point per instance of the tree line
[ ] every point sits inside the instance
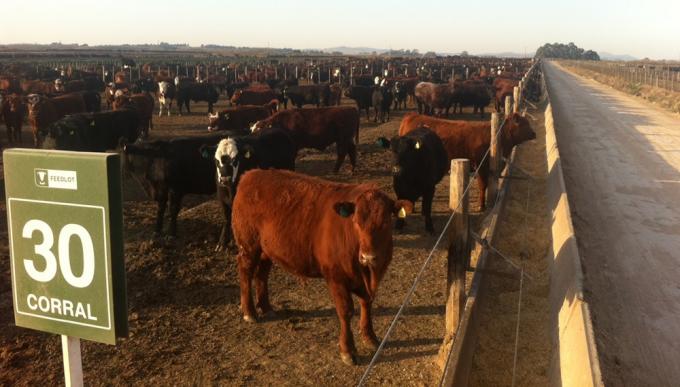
(565, 51)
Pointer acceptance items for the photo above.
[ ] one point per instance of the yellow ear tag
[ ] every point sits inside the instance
(402, 213)
(417, 147)
(247, 155)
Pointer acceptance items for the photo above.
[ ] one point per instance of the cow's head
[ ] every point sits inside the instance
(371, 215)
(58, 85)
(16, 103)
(259, 125)
(214, 120)
(408, 162)
(517, 129)
(163, 88)
(232, 160)
(33, 99)
(213, 95)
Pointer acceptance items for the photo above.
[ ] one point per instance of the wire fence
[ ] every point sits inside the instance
(409, 294)
(664, 76)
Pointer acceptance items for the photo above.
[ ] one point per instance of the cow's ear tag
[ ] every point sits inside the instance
(417, 144)
(71, 133)
(247, 155)
(92, 123)
(402, 213)
(226, 116)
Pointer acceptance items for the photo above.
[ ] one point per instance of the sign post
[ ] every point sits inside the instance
(65, 223)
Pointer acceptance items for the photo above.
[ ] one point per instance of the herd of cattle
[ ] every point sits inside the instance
(311, 227)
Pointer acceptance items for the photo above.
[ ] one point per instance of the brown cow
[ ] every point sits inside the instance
(10, 85)
(431, 96)
(253, 96)
(43, 111)
(143, 103)
(39, 87)
(471, 139)
(504, 87)
(335, 95)
(12, 111)
(320, 127)
(237, 117)
(315, 228)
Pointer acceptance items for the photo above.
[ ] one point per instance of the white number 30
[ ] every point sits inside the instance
(44, 250)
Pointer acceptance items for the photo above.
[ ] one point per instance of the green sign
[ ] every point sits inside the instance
(65, 222)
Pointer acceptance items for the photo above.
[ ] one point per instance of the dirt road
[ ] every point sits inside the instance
(621, 159)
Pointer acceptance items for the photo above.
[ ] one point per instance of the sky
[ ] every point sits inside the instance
(648, 28)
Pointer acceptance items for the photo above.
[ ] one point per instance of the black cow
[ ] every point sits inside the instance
(93, 101)
(362, 95)
(144, 85)
(400, 95)
(420, 162)
(232, 87)
(279, 83)
(473, 93)
(318, 95)
(270, 148)
(92, 132)
(196, 92)
(381, 100)
(94, 84)
(170, 169)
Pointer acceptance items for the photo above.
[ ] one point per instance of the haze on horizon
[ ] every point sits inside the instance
(620, 27)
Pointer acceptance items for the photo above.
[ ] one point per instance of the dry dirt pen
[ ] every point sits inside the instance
(186, 327)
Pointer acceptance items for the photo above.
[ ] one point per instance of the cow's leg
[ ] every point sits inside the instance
(162, 201)
(366, 322)
(175, 205)
(225, 234)
(342, 150)
(482, 178)
(344, 307)
(481, 111)
(36, 142)
(210, 107)
(368, 113)
(261, 285)
(246, 268)
(352, 151)
(186, 104)
(428, 195)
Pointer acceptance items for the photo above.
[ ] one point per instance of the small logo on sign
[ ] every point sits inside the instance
(55, 178)
(41, 177)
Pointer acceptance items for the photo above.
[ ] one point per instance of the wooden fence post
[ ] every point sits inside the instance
(494, 160)
(515, 99)
(459, 245)
(508, 105)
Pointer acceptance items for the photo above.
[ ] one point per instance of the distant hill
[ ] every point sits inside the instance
(354, 50)
(610, 56)
(508, 54)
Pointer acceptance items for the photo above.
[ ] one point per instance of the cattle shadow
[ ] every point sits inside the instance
(400, 345)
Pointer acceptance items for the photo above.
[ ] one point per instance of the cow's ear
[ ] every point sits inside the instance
(396, 140)
(402, 208)
(344, 209)
(248, 151)
(382, 142)
(207, 151)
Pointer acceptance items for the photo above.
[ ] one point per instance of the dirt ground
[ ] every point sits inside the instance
(185, 324)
